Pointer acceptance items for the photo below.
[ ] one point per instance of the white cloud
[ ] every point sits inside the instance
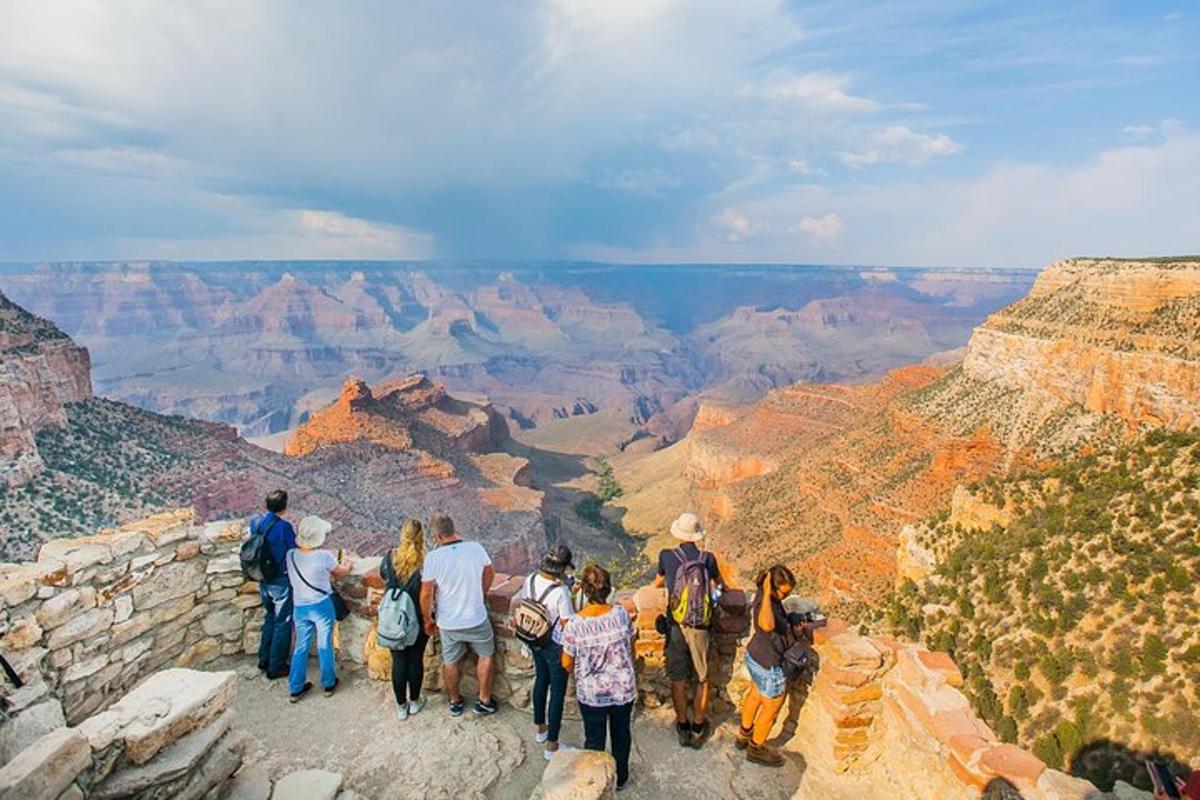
(1135, 200)
(1139, 133)
(822, 92)
(295, 233)
(825, 228)
(901, 144)
(735, 226)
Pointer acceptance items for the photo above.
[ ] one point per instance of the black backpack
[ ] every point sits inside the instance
(257, 561)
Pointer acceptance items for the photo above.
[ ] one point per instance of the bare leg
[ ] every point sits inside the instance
(701, 703)
(766, 718)
(750, 706)
(485, 669)
(679, 700)
(450, 674)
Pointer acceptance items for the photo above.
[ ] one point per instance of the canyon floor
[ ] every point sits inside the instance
(432, 755)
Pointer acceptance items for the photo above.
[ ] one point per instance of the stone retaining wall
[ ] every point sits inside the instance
(94, 616)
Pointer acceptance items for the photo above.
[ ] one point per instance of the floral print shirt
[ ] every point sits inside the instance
(604, 673)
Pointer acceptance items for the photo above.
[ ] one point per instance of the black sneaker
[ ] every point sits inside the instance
(329, 690)
(483, 709)
(456, 708)
(684, 731)
(700, 732)
(295, 698)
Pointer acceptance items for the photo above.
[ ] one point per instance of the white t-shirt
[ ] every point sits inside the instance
(315, 566)
(457, 569)
(558, 602)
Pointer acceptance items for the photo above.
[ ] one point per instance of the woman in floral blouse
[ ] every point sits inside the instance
(597, 645)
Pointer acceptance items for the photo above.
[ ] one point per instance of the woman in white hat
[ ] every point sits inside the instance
(310, 571)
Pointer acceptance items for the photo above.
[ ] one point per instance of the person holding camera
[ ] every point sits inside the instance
(765, 662)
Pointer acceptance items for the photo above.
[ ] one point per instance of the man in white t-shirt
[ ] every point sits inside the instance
(454, 585)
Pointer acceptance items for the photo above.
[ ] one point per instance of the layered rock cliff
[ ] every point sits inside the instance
(41, 370)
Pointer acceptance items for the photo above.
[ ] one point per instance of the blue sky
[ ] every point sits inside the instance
(631, 130)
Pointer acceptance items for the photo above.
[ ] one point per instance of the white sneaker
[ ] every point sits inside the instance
(402, 712)
(542, 737)
(562, 748)
(416, 705)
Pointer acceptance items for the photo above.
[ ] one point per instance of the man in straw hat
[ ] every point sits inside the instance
(689, 572)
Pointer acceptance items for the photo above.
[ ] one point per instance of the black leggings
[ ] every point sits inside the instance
(408, 670)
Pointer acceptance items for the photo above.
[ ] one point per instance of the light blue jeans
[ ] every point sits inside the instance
(317, 620)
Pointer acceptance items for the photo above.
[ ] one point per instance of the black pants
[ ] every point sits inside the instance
(408, 670)
(549, 688)
(617, 721)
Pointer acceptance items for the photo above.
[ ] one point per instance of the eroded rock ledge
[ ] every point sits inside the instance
(97, 616)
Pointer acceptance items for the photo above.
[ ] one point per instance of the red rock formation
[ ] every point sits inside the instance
(41, 370)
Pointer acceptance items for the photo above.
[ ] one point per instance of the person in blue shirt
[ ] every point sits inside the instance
(275, 645)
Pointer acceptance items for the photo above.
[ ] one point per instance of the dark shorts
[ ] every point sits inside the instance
(687, 654)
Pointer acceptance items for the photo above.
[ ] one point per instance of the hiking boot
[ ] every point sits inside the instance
(329, 690)
(456, 708)
(483, 709)
(295, 698)
(700, 731)
(742, 739)
(684, 731)
(766, 756)
(415, 706)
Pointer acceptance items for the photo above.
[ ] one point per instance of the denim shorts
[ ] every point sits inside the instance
(771, 682)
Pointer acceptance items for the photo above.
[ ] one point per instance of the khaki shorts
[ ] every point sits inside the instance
(481, 639)
(687, 653)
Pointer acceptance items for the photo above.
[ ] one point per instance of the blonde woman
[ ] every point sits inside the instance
(310, 571)
(401, 568)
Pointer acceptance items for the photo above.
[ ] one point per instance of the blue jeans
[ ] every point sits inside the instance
(551, 680)
(275, 642)
(313, 620)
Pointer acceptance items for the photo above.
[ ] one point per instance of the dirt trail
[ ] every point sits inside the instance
(432, 755)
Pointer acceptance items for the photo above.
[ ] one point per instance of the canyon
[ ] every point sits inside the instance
(79, 462)
(261, 345)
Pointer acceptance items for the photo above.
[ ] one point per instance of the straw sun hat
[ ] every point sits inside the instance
(311, 531)
(687, 528)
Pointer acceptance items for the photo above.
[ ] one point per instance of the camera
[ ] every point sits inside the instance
(809, 619)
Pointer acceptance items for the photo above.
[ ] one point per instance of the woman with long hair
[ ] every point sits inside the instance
(401, 568)
(597, 645)
(764, 662)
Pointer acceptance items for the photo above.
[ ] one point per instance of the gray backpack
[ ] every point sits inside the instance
(399, 620)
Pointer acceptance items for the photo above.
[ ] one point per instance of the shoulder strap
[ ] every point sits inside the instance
(542, 600)
(258, 529)
(684, 561)
(295, 569)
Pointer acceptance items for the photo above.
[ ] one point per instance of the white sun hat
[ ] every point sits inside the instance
(311, 531)
(687, 528)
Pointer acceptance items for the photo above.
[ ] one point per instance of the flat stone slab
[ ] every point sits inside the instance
(579, 775)
(47, 767)
(166, 706)
(250, 783)
(308, 784)
(172, 763)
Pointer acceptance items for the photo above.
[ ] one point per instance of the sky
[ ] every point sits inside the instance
(932, 132)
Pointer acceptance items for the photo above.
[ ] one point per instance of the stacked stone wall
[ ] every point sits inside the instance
(94, 616)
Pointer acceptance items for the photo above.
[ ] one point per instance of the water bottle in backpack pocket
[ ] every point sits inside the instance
(690, 601)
